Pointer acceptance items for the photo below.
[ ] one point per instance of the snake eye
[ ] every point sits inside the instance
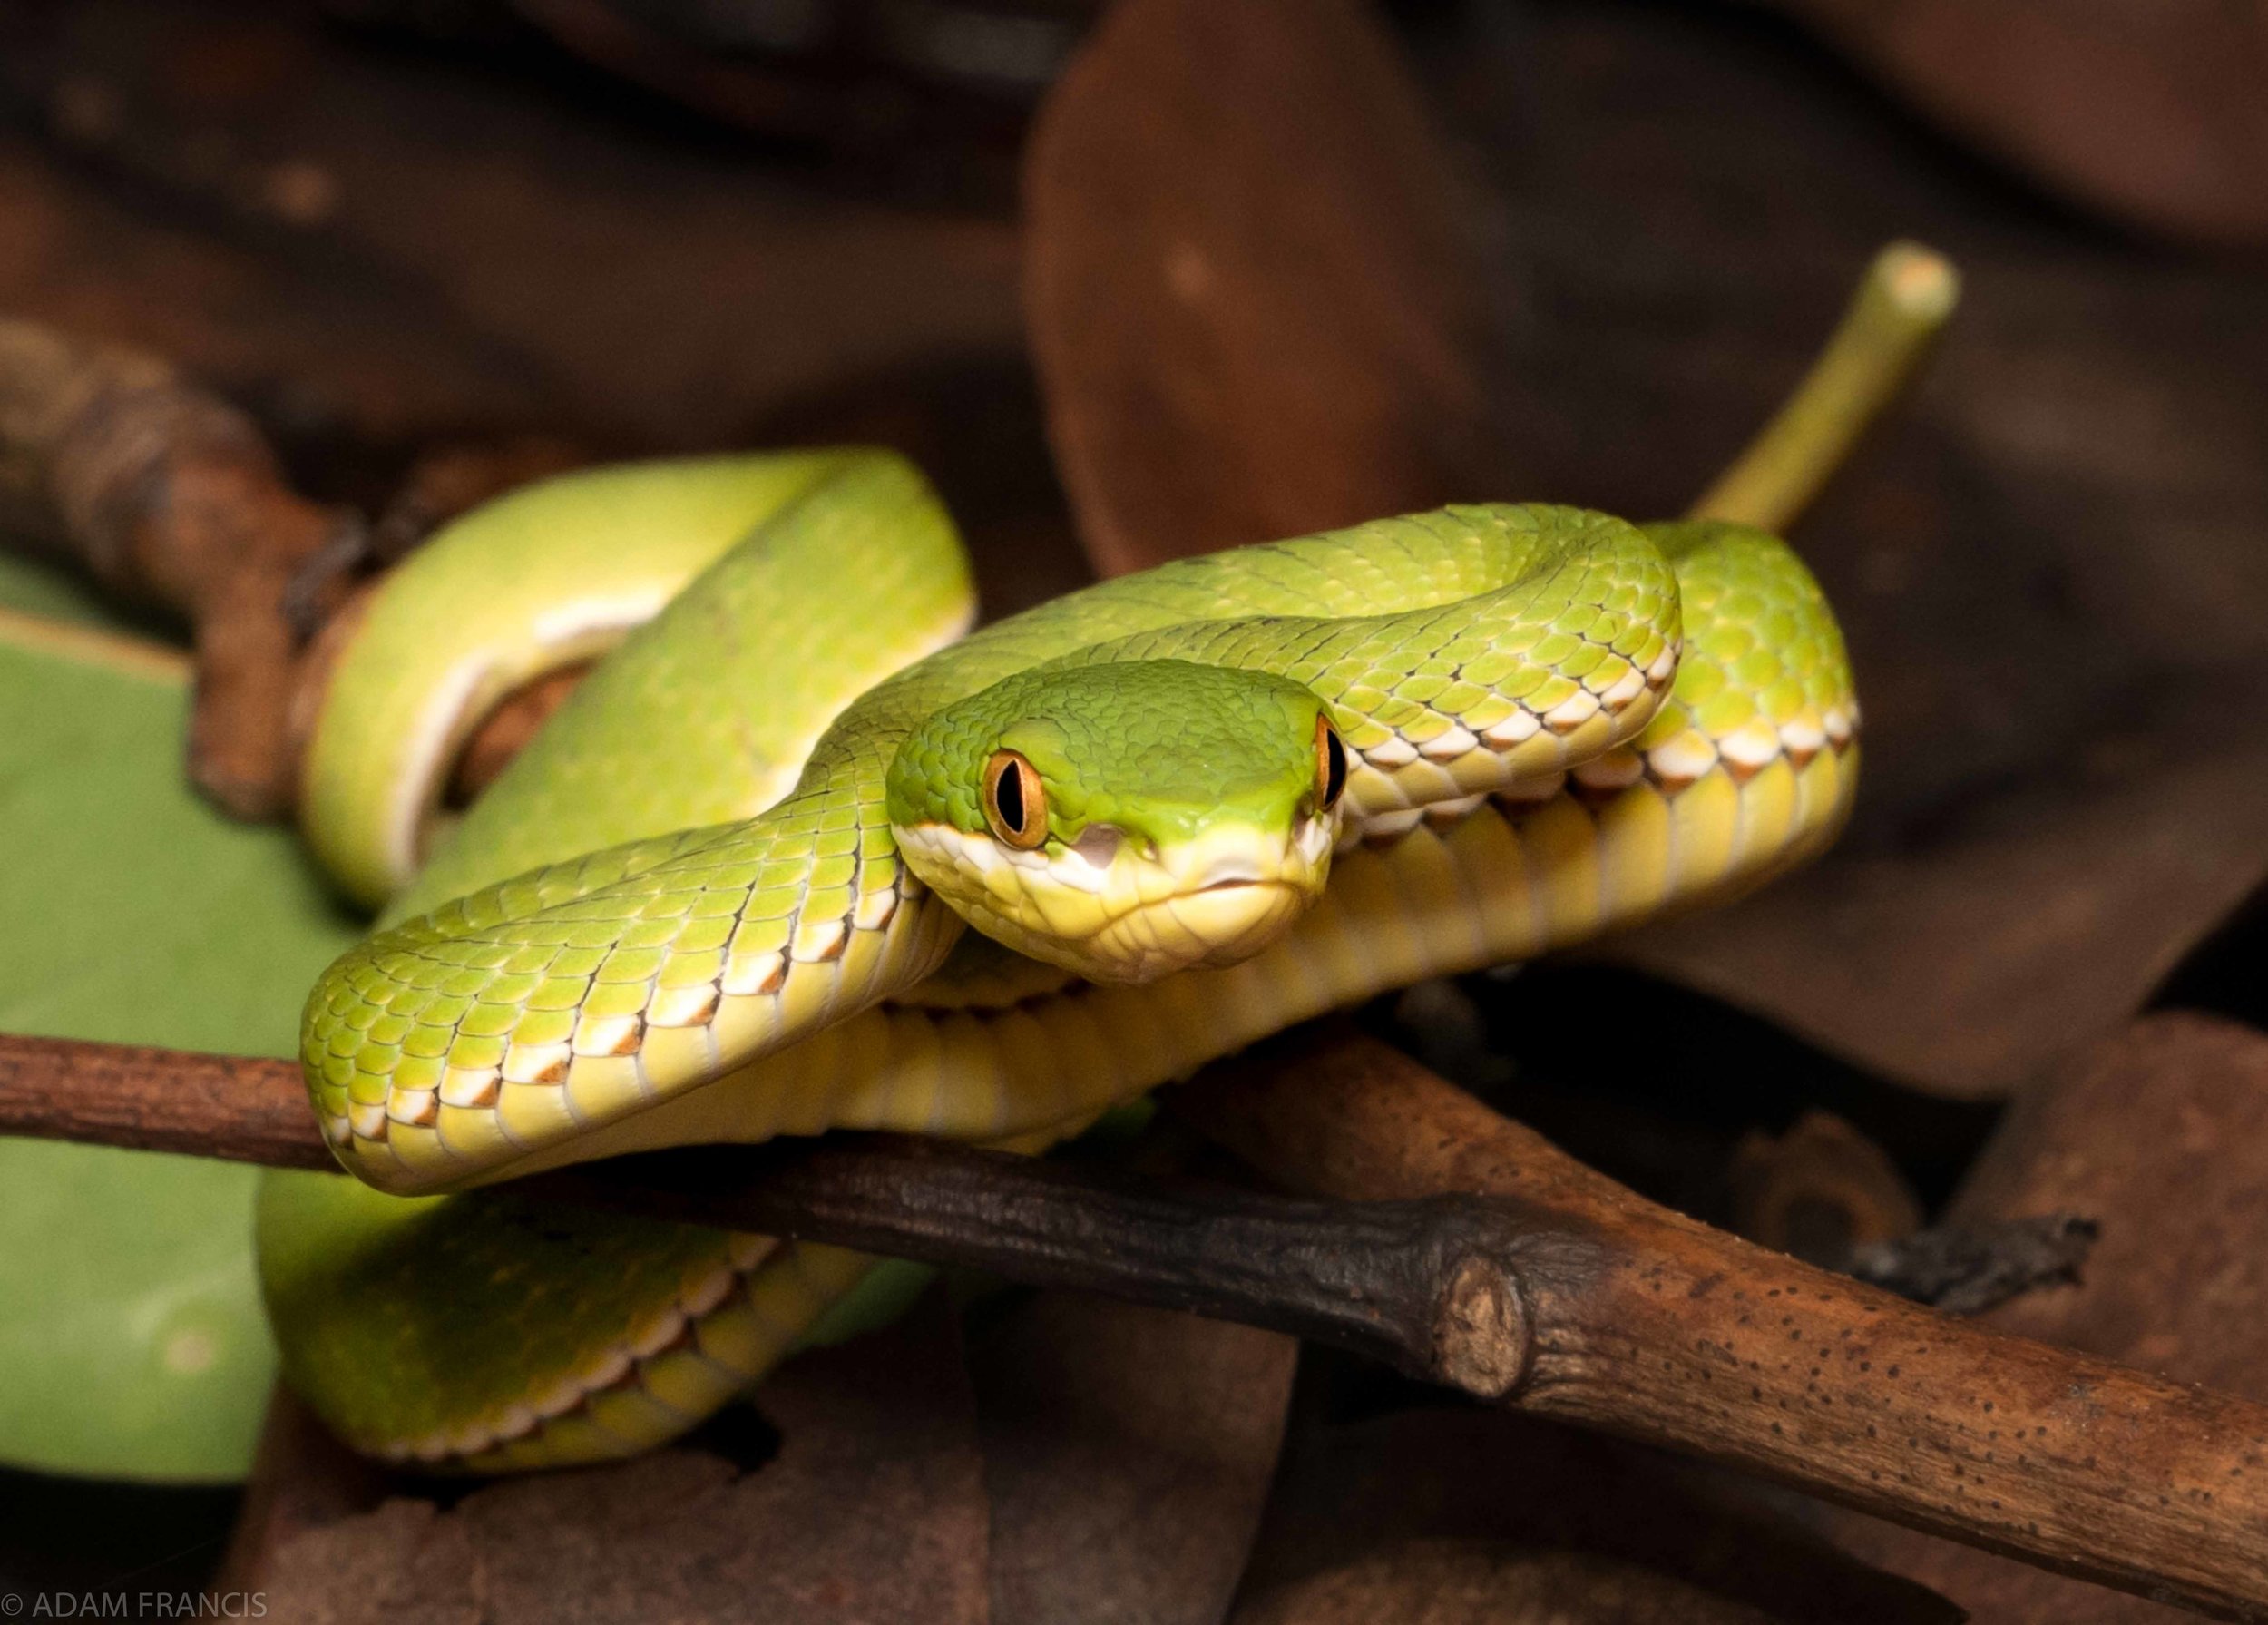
(1015, 801)
(1330, 765)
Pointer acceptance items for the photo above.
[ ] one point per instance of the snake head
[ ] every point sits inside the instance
(1124, 821)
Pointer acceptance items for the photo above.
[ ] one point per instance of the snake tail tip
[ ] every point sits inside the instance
(1922, 283)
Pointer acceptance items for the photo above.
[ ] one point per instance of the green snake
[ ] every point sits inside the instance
(728, 892)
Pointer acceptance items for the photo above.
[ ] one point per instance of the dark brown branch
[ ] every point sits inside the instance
(1360, 1278)
(1386, 1279)
(1561, 1293)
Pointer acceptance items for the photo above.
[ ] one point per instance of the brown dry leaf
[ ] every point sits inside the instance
(861, 77)
(1253, 295)
(1356, 1497)
(871, 1513)
(1128, 1453)
(1478, 1582)
(2155, 111)
(2176, 1103)
(488, 254)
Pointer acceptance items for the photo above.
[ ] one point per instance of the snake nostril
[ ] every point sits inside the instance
(1098, 844)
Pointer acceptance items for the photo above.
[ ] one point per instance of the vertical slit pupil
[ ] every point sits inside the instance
(1334, 767)
(1008, 797)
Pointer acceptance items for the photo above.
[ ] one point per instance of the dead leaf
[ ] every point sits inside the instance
(1128, 1453)
(1356, 1496)
(490, 258)
(1253, 293)
(2150, 111)
(1476, 1583)
(871, 1513)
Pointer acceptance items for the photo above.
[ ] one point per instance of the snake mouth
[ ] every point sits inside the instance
(1219, 924)
(1143, 913)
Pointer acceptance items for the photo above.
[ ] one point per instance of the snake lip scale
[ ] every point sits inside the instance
(795, 857)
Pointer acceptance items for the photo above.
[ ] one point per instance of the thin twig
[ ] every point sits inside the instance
(237, 1108)
(1462, 1248)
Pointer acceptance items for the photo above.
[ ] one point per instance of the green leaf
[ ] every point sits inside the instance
(131, 1340)
(36, 587)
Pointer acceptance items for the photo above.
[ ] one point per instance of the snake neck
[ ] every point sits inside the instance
(606, 982)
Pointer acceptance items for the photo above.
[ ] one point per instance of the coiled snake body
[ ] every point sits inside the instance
(728, 892)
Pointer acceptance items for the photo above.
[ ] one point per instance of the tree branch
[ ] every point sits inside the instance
(1459, 1246)
(1648, 1323)
(237, 1108)
(169, 496)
